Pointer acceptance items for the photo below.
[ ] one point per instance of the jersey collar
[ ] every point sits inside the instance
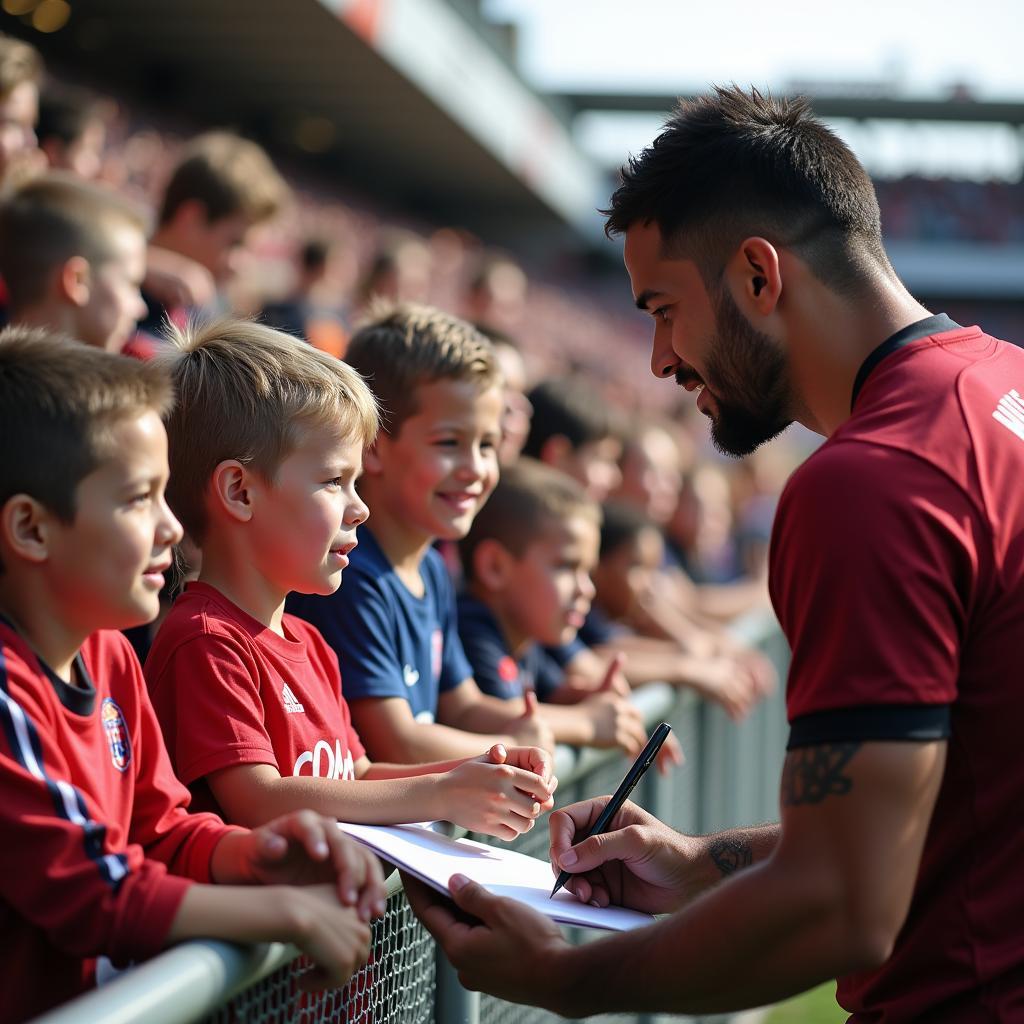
(912, 332)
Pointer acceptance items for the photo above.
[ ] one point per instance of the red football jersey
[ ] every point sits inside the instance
(229, 691)
(897, 572)
(99, 847)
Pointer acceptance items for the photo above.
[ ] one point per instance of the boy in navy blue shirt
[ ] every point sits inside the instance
(527, 561)
(392, 622)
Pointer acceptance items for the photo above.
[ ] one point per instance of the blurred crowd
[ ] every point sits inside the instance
(303, 257)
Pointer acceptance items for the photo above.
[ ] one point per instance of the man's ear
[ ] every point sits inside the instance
(492, 563)
(555, 450)
(25, 527)
(755, 276)
(231, 490)
(74, 281)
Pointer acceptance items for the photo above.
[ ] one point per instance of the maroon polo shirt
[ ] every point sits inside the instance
(897, 572)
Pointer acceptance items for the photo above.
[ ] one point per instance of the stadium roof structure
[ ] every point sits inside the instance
(403, 98)
(863, 107)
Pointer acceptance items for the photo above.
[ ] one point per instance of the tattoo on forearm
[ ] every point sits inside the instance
(730, 855)
(812, 774)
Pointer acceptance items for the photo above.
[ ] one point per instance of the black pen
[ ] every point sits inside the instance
(633, 776)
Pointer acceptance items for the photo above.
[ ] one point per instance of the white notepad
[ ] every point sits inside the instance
(434, 858)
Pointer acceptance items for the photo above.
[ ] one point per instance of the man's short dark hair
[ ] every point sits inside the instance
(732, 164)
(567, 408)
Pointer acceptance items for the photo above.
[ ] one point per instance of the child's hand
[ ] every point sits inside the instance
(302, 848)
(331, 935)
(531, 759)
(670, 755)
(614, 680)
(616, 722)
(529, 730)
(495, 799)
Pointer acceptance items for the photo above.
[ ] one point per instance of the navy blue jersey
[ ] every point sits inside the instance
(389, 642)
(495, 670)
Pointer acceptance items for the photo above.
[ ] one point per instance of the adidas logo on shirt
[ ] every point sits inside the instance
(291, 703)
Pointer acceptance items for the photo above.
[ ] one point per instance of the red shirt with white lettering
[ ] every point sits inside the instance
(99, 847)
(897, 572)
(228, 691)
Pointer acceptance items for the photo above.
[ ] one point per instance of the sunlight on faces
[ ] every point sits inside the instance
(549, 590)
(627, 573)
(107, 565)
(742, 375)
(595, 465)
(436, 474)
(108, 318)
(304, 520)
(19, 110)
(218, 245)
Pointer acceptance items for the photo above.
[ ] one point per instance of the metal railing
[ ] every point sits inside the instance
(730, 778)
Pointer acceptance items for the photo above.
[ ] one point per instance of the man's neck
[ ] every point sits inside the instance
(830, 336)
(53, 316)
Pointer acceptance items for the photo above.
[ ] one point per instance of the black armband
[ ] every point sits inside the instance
(915, 723)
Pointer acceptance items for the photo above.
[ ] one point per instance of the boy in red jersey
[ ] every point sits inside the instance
(103, 858)
(266, 443)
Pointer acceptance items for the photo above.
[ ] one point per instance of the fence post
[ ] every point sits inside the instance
(452, 1003)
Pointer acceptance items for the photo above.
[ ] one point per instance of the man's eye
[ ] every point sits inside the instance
(661, 313)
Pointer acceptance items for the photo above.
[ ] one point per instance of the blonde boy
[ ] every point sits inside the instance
(431, 468)
(527, 561)
(266, 445)
(102, 857)
(73, 256)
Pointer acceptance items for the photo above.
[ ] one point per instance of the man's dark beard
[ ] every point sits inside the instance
(749, 379)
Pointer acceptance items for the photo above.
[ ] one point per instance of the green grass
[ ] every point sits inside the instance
(818, 1006)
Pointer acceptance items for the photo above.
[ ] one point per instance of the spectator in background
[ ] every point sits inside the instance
(573, 433)
(631, 614)
(496, 297)
(315, 310)
(515, 419)
(73, 255)
(21, 69)
(527, 560)
(72, 131)
(399, 271)
(222, 186)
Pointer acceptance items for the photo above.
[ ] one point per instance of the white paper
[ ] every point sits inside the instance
(434, 858)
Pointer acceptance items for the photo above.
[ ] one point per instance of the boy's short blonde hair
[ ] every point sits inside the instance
(531, 497)
(229, 175)
(403, 346)
(53, 218)
(58, 400)
(247, 392)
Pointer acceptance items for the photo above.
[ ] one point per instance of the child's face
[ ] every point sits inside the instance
(108, 318)
(596, 466)
(549, 590)
(304, 521)
(108, 563)
(626, 575)
(436, 474)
